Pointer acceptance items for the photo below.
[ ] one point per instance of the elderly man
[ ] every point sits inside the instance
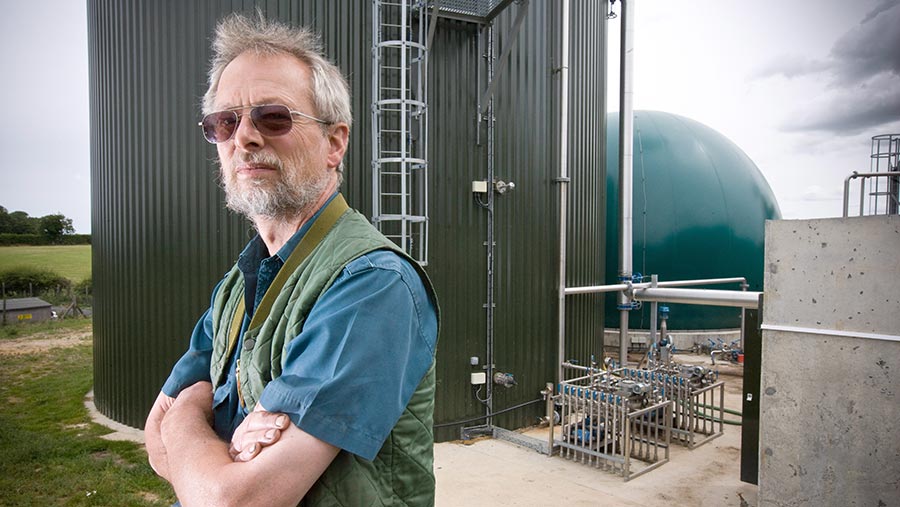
(310, 378)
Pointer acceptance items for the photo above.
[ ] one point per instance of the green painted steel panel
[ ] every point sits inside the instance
(700, 206)
(162, 238)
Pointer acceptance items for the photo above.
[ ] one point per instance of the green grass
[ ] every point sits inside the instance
(50, 327)
(70, 261)
(52, 453)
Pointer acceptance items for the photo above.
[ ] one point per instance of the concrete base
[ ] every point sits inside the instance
(119, 430)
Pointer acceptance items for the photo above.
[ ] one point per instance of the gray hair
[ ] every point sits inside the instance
(237, 34)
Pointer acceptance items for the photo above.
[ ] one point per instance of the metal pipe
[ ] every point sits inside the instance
(626, 147)
(701, 281)
(563, 186)
(654, 282)
(739, 299)
(595, 289)
(489, 307)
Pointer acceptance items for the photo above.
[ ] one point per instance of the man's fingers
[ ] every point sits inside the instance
(256, 421)
(252, 442)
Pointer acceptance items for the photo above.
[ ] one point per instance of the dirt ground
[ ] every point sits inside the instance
(41, 342)
(496, 472)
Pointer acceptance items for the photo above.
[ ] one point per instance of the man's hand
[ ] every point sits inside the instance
(156, 451)
(259, 429)
(203, 471)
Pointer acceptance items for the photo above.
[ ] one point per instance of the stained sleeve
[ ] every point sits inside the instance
(365, 347)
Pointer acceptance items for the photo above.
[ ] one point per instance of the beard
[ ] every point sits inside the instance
(295, 189)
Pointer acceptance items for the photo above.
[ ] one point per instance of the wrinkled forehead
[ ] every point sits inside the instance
(253, 79)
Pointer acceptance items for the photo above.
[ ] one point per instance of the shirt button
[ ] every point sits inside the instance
(248, 345)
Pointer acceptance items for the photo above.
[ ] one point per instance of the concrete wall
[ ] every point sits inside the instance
(830, 399)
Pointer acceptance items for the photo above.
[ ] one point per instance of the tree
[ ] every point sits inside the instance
(4, 220)
(21, 223)
(55, 226)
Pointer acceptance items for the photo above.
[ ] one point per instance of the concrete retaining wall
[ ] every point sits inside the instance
(830, 400)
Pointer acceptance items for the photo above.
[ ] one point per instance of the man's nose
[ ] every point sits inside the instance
(246, 136)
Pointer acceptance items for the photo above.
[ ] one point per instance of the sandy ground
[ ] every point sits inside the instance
(496, 472)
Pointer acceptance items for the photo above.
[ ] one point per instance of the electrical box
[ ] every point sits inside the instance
(479, 187)
(479, 378)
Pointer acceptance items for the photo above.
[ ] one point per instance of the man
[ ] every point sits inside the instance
(311, 375)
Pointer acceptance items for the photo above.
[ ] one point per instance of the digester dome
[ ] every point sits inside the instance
(700, 206)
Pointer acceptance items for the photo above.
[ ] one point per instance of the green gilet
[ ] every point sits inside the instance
(402, 471)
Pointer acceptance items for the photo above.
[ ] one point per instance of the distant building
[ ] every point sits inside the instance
(25, 310)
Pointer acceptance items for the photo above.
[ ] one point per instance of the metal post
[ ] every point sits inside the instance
(626, 148)
(563, 187)
(4, 303)
(550, 419)
(654, 307)
(744, 287)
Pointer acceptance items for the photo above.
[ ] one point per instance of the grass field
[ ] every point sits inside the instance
(52, 453)
(70, 261)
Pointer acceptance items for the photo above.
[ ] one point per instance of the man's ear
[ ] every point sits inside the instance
(338, 137)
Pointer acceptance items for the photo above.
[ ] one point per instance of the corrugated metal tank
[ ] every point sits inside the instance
(700, 206)
(162, 238)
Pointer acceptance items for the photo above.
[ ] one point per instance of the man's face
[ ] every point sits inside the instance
(277, 176)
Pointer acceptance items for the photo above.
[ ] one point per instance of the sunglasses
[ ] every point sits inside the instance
(270, 120)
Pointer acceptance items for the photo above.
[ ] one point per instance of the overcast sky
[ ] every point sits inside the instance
(801, 86)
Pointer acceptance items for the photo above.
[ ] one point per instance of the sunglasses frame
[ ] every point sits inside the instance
(253, 108)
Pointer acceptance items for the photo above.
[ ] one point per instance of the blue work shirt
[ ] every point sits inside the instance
(365, 346)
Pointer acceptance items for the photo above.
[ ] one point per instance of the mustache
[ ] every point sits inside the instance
(259, 157)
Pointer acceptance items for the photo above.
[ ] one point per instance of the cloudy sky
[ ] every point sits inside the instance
(801, 86)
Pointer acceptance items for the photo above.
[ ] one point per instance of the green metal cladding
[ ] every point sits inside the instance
(700, 206)
(162, 238)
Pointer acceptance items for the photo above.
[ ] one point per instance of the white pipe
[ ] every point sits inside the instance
(596, 289)
(626, 147)
(740, 299)
(563, 184)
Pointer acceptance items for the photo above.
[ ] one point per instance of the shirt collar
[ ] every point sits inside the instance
(285, 251)
(256, 251)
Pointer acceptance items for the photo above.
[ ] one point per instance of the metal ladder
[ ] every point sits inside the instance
(400, 124)
(884, 193)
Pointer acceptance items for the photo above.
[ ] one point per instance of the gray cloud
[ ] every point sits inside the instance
(791, 66)
(883, 6)
(852, 110)
(872, 47)
(862, 76)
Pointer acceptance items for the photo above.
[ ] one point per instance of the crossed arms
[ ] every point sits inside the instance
(268, 462)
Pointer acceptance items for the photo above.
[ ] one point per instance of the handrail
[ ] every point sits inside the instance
(862, 188)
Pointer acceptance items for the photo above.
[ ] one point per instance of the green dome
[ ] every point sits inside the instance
(700, 206)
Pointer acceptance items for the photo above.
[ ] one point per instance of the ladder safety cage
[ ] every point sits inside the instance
(400, 124)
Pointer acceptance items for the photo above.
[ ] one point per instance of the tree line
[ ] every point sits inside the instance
(19, 227)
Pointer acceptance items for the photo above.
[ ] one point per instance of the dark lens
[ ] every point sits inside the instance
(272, 120)
(219, 127)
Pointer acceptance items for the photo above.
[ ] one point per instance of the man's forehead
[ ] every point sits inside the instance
(252, 79)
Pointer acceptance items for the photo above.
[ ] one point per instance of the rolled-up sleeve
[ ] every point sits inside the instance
(364, 348)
